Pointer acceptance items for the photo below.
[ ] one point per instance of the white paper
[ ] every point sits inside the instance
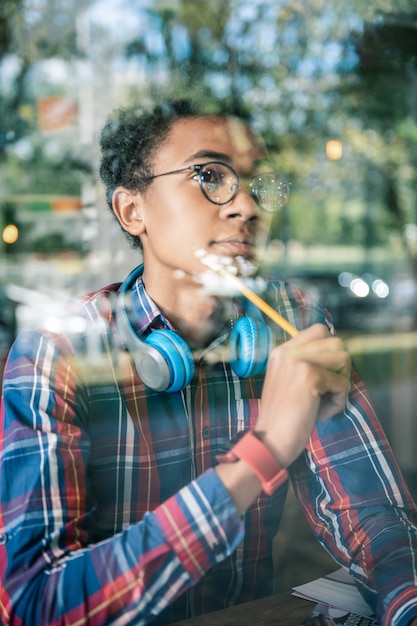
(338, 590)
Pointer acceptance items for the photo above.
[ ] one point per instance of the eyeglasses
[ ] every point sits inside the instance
(220, 183)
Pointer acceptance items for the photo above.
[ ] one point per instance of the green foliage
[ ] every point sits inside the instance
(305, 74)
(8, 10)
(53, 243)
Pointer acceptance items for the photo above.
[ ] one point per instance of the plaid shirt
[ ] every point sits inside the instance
(111, 512)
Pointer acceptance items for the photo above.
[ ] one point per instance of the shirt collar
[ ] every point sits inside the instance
(144, 313)
(145, 316)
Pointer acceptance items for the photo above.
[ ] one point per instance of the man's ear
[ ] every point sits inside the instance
(128, 210)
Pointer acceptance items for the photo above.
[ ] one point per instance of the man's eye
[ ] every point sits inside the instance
(210, 176)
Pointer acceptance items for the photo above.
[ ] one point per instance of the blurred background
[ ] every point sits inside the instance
(333, 89)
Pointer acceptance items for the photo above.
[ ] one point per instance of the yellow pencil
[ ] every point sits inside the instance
(261, 304)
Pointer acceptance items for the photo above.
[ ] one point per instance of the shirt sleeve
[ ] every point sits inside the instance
(359, 507)
(50, 572)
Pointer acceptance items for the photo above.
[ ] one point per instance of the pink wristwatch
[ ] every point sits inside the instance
(251, 450)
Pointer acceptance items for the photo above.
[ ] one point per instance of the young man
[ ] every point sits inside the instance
(147, 485)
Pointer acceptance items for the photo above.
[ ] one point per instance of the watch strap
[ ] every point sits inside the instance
(260, 459)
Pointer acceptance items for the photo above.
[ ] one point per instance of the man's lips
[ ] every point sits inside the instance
(232, 247)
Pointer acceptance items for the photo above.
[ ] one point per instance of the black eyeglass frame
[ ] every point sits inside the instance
(197, 168)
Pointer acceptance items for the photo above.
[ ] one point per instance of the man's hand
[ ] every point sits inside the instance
(307, 378)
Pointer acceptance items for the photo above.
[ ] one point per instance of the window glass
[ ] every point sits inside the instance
(331, 86)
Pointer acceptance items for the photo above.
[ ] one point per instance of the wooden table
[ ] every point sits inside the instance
(281, 609)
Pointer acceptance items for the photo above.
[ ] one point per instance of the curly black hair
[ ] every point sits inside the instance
(128, 143)
(130, 138)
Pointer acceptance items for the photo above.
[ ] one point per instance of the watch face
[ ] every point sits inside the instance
(248, 448)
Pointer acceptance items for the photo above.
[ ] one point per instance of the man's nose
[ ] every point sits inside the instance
(242, 206)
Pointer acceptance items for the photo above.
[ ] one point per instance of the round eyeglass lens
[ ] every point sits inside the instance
(270, 191)
(218, 182)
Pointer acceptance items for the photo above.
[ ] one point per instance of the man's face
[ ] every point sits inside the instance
(178, 219)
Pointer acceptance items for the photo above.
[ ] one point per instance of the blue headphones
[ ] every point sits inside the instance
(165, 362)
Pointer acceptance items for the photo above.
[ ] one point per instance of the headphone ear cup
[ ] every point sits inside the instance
(251, 342)
(177, 356)
(163, 360)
